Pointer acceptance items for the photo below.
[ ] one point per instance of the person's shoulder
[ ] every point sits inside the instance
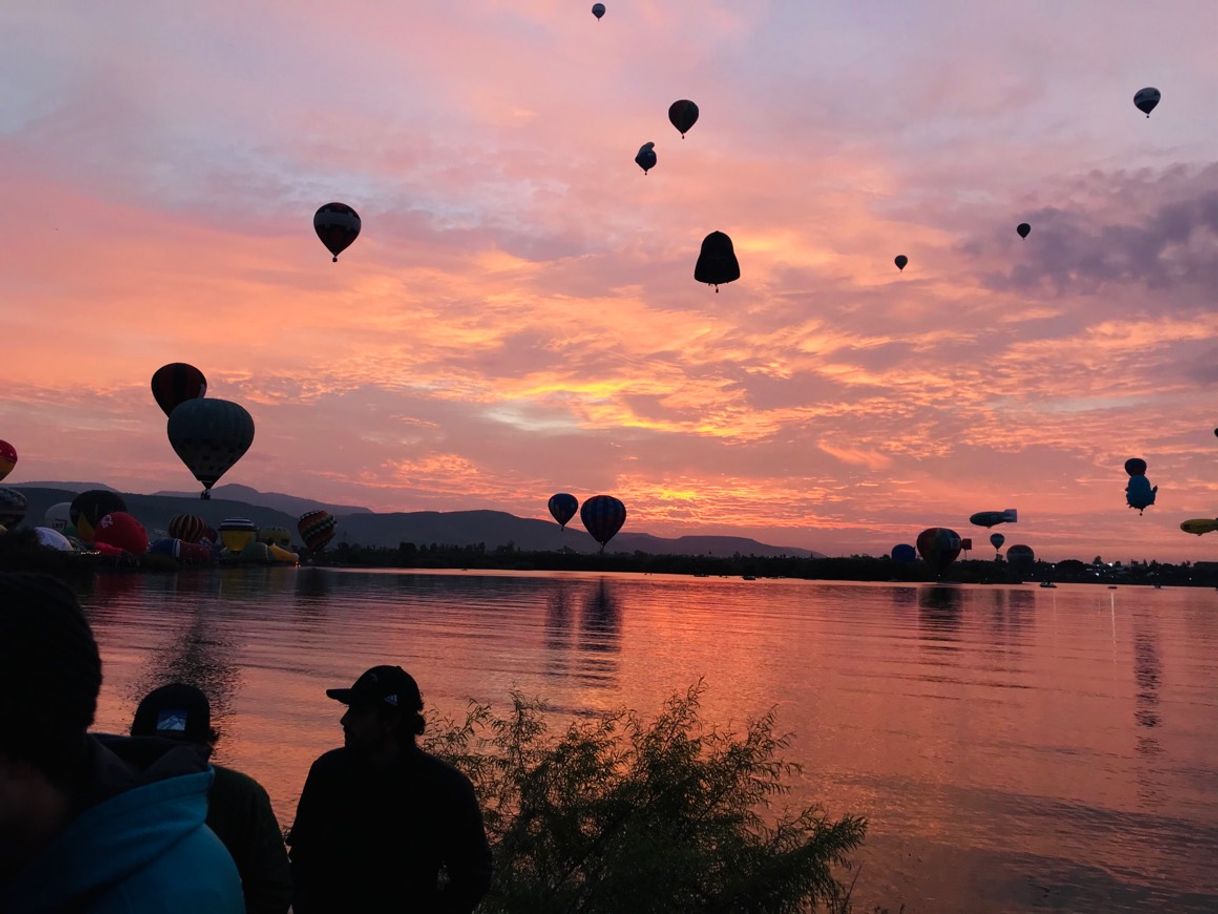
(229, 780)
(439, 771)
(336, 762)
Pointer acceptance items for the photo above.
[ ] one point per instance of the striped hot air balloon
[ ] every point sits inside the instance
(189, 528)
(603, 516)
(316, 529)
(176, 383)
(563, 507)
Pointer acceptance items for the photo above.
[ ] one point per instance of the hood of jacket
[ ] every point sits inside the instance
(142, 795)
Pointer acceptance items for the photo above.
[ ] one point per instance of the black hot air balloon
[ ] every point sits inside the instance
(563, 507)
(717, 261)
(1023, 228)
(996, 540)
(1021, 557)
(176, 383)
(88, 508)
(210, 436)
(598, 10)
(337, 225)
(646, 159)
(683, 114)
(904, 553)
(603, 516)
(900, 260)
(1135, 466)
(1146, 99)
(939, 547)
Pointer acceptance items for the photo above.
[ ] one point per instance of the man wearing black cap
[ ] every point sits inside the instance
(379, 818)
(238, 809)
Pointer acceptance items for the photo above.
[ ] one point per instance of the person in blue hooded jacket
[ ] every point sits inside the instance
(97, 825)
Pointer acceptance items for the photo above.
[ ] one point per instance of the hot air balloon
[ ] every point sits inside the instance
(277, 536)
(90, 507)
(939, 547)
(563, 507)
(337, 225)
(1146, 99)
(683, 114)
(993, 518)
(598, 10)
(167, 546)
(176, 383)
(603, 516)
(904, 553)
(717, 261)
(1021, 557)
(210, 436)
(1199, 526)
(1135, 466)
(52, 539)
(646, 159)
(237, 532)
(12, 508)
(1138, 492)
(189, 528)
(8, 458)
(1024, 229)
(316, 529)
(900, 260)
(122, 531)
(996, 540)
(59, 516)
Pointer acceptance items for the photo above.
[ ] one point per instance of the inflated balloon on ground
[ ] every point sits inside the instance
(12, 507)
(122, 531)
(189, 528)
(938, 547)
(90, 507)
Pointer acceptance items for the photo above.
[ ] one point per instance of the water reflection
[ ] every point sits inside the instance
(939, 612)
(1147, 673)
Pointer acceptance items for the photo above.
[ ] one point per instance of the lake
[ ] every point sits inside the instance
(1014, 749)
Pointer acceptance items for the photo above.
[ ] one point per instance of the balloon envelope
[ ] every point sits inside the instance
(275, 536)
(210, 436)
(1199, 526)
(646, 159)
(122, 531)
(90, 507)
(1023, 228)
(717, 261)
(176, 383)
(237, 532)
(316, 529)
(997, 539)
(904, 553)
(1146, 99)
(58, 516)
(683, 114)
(189, 528)
(993, 518)
(1135, 466)
(1021, 556)
(52, 539)
(1139, 493)
(598, 10)
(8, 458)
(939, 547)
(900, 260)
(337, 225)
(603, 516)
(563, 507)
(12, 507)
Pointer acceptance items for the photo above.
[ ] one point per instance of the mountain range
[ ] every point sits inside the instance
(364, 527)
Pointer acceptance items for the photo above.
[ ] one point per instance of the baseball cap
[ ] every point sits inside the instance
(177, 711)
(390, 685)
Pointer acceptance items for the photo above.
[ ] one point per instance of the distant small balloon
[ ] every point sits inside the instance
(997, 539)
(1146, 99)
(1135, 466)
(1023, 228)
(717, 262)
(646, 159)
(904, 553)
(598, 10)
(683, 114)
(900, 261)
(337, 225)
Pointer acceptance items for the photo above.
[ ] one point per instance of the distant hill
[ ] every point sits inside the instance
(365, 528)
(277, 501)
(73, 487)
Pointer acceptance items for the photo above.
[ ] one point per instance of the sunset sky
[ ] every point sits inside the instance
(519, 316)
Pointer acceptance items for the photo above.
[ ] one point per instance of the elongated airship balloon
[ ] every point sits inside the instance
(1024, 229)
(337, 225)
(994, 518)
(8, 458)
(1199, 526)
(563, 507)
(683, 114)
(603, 516)
(316, 528)
(1146, 99)
(996, 540)
(900, 260)
(646, 159)
(598, 10)
(938, 547)
(717, 262)
(209, 436)
(176, 383)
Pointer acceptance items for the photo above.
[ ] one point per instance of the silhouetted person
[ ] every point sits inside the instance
(238, 810)
(86, 824)
(379, 818)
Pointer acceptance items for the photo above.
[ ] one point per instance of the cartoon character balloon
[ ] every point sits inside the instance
(88, 508)
(717, 262)
(1139, 493)
(603, 516)
(121, 531)
(646, 159)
